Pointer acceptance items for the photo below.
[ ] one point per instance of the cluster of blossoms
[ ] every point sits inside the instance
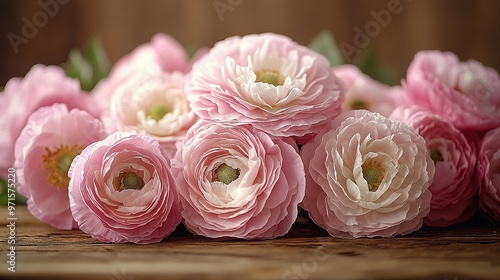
(232, 142)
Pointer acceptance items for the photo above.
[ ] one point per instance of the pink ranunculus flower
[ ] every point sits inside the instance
(153, 104)
(44, 151)
(367, 176)
(466, 93)
(268, 81)
(42, 86)
(162, 54)
(362, 92)
(454, 191)
(488, 175)
(121, 190)
(238, 182)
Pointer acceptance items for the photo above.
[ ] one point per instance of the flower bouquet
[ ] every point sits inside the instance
(236, 139)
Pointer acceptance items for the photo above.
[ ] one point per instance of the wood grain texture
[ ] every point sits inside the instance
(471, 251)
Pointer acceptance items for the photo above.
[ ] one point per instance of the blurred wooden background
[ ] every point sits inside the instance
(471, 29)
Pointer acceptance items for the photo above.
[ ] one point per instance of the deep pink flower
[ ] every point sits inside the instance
(367, 175)
(121, 190)
(362, 92)
(238, 182)
(51, 139)
(42, 86)
(454, 154)
(488, 174)
(268, 81)
(466, 93)
(153, 104)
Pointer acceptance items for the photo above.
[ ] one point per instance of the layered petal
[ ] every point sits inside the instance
(465, 93)
(122, 190)
(162, 54)
(454, 154)
(367, 175)
(42, 86)
(488, 175)
(51, 139)
(362, 92)
(235, 181)
(153, 104)
(268, 81)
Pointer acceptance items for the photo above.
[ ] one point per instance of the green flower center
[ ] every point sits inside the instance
(271, 77)
(157, 111)
(65, 162)
(226, 174)
(373, 173)
(359, 105)
(57, 163)
(436, 156)
(128, 181)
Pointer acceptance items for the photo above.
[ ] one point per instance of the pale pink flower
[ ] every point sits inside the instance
(362, 92)
(153, 104)
(466, 93)
(238, 182)
(44, 151)
(122, 190)
(367, 175)
(454, 154)
(162, 54)
(268, 81)
(488, 175)
(42, 86)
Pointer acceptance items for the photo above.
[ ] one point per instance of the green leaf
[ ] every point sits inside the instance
(324, 43)
(88, 66)
(78, 67)
(4, 194)
(368, 62)
(191, 51)
(98, 59)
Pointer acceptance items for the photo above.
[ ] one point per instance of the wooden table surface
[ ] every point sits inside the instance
(470, 251)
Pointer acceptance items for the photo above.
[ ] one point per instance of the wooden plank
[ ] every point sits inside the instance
(307, 252)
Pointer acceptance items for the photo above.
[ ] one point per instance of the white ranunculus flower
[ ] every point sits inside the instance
(153, 104)
(367, 175)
